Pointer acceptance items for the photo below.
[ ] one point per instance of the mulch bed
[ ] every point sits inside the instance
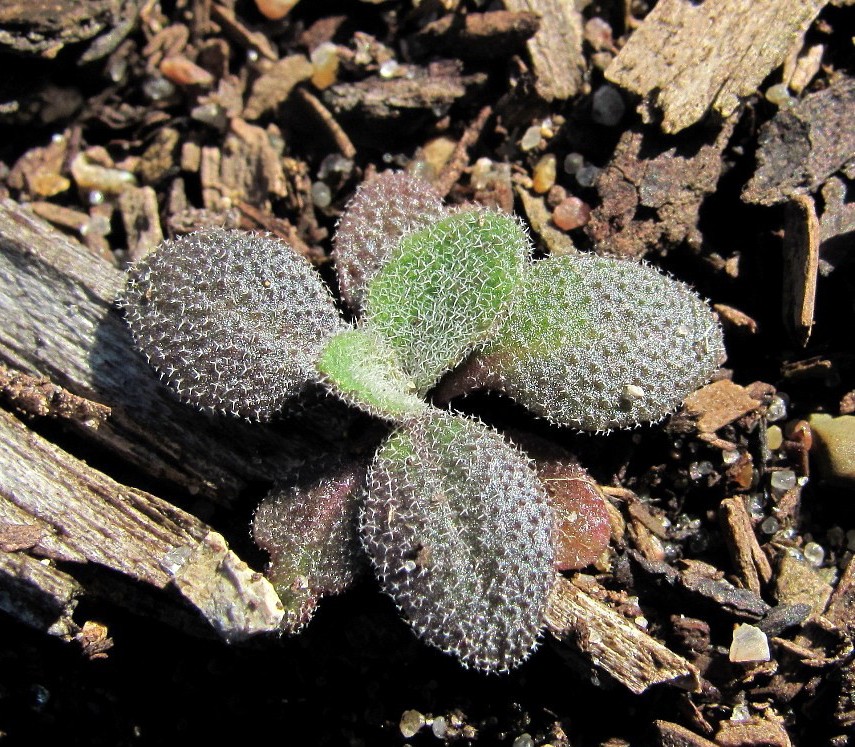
(712, 139)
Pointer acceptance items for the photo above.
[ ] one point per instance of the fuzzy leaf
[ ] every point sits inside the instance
(232, 321)
(458, 528)
(363, 370)
(598, 343)
(444, 289)
(382, 211)
(312, 539)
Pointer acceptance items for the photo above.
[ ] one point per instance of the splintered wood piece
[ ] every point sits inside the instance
(801, 267)
(750, 561)
(86, 517)
(60, 322)
(687, 56)
(556, 48)
(38, 595)
(237, 601)
(717, 404)
(275, 85)
(613, 643)
(141, 220)
(804, 144)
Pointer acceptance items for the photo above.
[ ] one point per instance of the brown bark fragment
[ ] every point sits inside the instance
(420, 90)
(802, 145)
(750, 561)
(612, 643)
(141, 220)
(479, 36)
(734, 318)
(688, 57)
(674, 735)
(44, 27)
(240, 34)
(801, 267)
(667, 175)
(37, 396)
(696, 583)
(755, 732)
(335, 130)
(275, 85)
(38, 595)
(718, 404)
(556, 48)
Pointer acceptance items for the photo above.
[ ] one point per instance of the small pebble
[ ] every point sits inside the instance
(439, 727)
(411, 723)
(749, 644)
(571, 213)
(779, 95)
(184, 72)
(321, 195)
(770, 525)
(324, 59)
(544, 173)
(531, 138)
(814, 554)
(783, 480)
(389, 69)
(157, 88)
(740, 713)
(607, 107)
(587, 175)
(275, 9)
(774, 437)
(834, 440)
(730, 457)
(777, 409)
(523, 740)
(91, 176)
(573, 162)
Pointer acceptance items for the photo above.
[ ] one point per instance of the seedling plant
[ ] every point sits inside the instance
(456, 522)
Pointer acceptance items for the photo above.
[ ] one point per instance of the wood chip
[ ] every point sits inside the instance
(37, 396)
(797, 582)
(718, 404)
(335, 130)
(540, 220)
(237, 601)
(478, 36)
(94, 519)
(614, 644)
(751, 563)
(801, 267)
(418, 91)
(275, 85)
(754, 732)
(699, 587)
(688, 57)
(556, 48)
(674, 735)
(804, 144)
(14, 537)
(734, 318)
(459, 158)
(652, 174)
(57, 301)
(141, 219)
(240, 34)
(38, 595)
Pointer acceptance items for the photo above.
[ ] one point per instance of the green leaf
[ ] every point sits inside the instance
(364, 371)
(599, 343)
(444, 290)
(459, 530)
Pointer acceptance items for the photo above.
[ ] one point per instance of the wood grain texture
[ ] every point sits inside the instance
(688, 57)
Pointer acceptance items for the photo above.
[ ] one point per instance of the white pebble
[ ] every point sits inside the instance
(749, 644)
